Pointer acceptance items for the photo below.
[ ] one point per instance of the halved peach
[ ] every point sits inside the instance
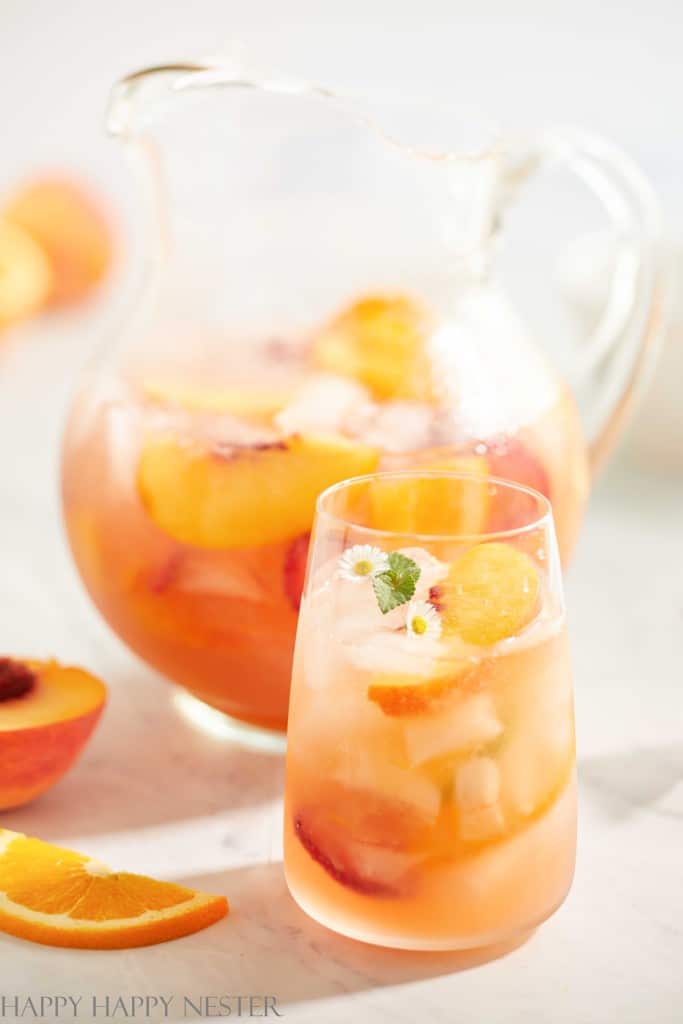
(47, 714)
(380, 341)
(68, 224)
(25, 275)
(434, 505)
(491, 593)
(239, 497)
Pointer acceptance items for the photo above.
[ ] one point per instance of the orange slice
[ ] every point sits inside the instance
(60, 898)
(490, 593)
(243, 496)
(379, 341)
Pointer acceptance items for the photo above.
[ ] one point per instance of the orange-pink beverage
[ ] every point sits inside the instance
(431, 794)
(189, 498)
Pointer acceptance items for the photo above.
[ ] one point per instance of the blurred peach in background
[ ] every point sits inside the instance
(56, 245)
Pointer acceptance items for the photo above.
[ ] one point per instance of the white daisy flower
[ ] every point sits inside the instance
(362, 562)
(423, 620)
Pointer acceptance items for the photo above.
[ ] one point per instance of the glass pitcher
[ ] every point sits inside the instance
(320, 302)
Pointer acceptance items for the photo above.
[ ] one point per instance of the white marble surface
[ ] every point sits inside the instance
(154, 794)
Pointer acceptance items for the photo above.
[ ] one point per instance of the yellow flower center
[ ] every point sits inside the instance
(363, 567)
(419, 625)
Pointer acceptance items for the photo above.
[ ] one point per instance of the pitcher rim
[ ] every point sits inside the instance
(203, 74)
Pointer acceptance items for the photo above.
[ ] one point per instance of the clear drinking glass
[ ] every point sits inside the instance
(431, 794)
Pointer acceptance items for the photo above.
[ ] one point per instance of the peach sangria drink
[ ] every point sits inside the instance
(431, 794)
(189, 489)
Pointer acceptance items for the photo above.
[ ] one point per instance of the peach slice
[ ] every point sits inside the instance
(490, 593)
(68, 224)
(365, 841)
(238, 497)
(259, 405)
(25, 275)
(379, 341)
(434, 505)
(405, 696)
(47, 714)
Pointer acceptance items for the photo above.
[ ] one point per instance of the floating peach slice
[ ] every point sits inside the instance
(61, 898)
(405, 696)
(68, 224)
(368, 839)
(47, 714)
(251, 404)
(237, 497)
(379, 341)
(434, 505)
(25, 275)
(490, 593)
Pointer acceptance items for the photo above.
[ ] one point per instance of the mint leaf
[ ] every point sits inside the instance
(404, 569)
(385, 592)
(397, 585)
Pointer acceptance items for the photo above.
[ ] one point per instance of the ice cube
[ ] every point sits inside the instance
(355, 612)
(481, 823)
(477, 783)
(399, 426)
(466, 724)
(325, 404)
(477, 794)
(374, 774)
(394, 652)
(525, 780)
(220, 577)
(382, 865)
(318, 672)
(313, 647)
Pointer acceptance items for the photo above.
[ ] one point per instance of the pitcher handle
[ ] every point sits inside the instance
(621, 348)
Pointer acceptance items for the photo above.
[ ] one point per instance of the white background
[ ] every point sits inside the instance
(613, 66)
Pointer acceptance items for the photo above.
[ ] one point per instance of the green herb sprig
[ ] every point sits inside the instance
(397, 585)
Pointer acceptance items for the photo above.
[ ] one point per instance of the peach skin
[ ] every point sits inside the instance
(47, 714)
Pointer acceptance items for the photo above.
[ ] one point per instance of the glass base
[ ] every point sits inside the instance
(478, 951)
(216, 723)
